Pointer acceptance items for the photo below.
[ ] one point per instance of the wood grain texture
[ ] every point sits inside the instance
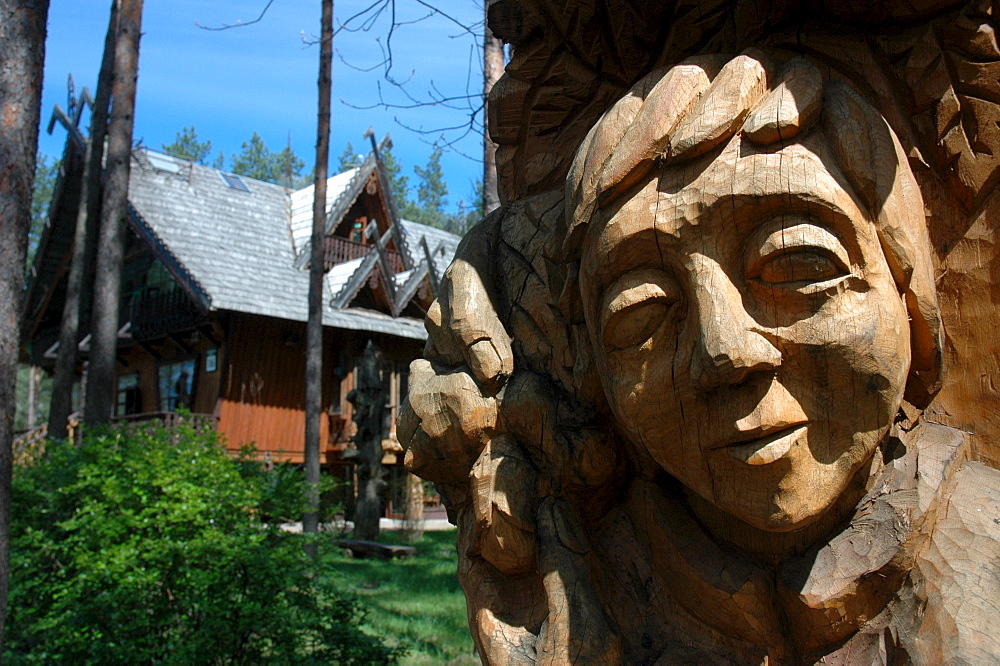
(714, 383)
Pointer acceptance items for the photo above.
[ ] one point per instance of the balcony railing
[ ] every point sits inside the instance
(339, 250)
(154, 315)
(170, 419)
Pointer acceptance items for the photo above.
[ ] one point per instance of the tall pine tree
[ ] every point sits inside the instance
(187, 146)
(256, 160)
(348, 159)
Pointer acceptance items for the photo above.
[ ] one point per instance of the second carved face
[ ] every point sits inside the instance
(747, 328)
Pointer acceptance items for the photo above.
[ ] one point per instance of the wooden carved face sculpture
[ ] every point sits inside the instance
(749, 270)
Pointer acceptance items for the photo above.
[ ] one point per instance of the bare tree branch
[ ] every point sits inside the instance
(239, 23)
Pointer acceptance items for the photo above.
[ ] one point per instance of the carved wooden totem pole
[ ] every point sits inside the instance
(717, 383)
(368, 400)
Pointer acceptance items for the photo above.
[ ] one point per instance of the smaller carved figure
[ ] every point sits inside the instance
(368, 400)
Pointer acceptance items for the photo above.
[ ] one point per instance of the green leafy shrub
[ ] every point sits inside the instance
(147, 545)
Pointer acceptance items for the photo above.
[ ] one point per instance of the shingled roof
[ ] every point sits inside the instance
(236, 250)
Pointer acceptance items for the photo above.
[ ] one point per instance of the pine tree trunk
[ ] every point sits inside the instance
(492, 69)
(83, 242)
(22, 42)
(107, 281)
(314, 326)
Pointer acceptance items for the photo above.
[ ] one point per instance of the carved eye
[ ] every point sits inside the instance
(795, 255)
(635, 307)
(806, 265)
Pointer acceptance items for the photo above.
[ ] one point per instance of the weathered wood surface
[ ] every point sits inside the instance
(717, 382)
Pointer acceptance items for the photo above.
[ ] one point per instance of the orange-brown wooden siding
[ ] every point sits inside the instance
(262, 399)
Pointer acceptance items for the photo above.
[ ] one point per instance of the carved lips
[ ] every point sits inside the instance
(766, 448)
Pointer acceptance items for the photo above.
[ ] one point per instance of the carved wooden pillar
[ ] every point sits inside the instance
(717, 384)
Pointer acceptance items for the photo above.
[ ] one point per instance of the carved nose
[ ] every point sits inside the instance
(730, 344)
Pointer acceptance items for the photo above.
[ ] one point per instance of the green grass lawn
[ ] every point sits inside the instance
(416, 602)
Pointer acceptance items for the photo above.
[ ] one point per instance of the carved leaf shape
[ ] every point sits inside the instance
(951, 70)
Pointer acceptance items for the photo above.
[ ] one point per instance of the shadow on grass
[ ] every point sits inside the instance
(415, 602)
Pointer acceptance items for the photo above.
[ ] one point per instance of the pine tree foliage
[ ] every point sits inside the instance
(432, 192)
(46, 173)
(348, 159)
(187, 146)
(398, 183)
(256, 160)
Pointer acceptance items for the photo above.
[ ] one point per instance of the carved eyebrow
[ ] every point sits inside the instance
(644, 249)
(745, 210)
(637, 286)
(655, 243)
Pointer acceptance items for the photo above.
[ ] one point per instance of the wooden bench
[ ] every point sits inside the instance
(364, 549)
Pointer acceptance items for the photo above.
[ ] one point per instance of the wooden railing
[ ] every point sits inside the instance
(155, 315)
(29, 445)
(339, 250)
(169, 419)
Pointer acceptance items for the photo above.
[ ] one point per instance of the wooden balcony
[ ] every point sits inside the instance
(339, 250)
(156, 315)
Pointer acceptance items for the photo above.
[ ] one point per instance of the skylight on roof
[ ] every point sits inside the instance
(234, 182)
(165, 163)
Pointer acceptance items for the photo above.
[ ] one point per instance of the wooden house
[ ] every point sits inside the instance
(214, 299)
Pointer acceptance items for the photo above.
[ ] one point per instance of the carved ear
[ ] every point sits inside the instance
(877, 168)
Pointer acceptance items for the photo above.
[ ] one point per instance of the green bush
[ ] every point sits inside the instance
(147, 545)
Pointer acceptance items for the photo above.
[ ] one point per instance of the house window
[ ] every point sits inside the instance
(211, 360)
(176, 384)
(129, 400)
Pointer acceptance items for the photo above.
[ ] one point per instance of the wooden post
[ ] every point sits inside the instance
(368, 399)
(413, 521)
(31, 413)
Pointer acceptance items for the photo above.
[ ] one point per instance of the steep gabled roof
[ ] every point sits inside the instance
(302, 207)
(240, 247)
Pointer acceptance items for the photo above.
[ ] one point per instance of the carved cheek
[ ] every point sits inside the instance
(642, 393)
(848, 365)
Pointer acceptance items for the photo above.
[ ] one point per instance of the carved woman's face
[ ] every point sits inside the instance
(749, 334)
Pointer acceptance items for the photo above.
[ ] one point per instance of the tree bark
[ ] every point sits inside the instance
(492, 69)
(107, 281)
(83, 242)
(314, 325)
(22, 41)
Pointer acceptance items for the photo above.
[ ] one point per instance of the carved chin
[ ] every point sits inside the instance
(793, 491)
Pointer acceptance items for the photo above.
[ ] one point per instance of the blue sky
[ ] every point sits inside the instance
(262, 77)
